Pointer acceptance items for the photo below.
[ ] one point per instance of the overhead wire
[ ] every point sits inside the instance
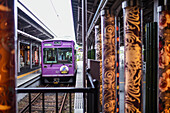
(54, 9)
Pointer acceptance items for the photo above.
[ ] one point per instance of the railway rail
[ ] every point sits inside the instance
(50, 101)
(36, 98)
(37, 101)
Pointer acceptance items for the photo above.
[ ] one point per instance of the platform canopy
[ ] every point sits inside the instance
(93, 15)
(30, 25)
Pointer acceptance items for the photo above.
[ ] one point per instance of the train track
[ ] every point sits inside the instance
(49, 102)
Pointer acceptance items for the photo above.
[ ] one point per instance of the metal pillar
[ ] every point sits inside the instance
(148, 61)
(8, 54)
(151, 68)
(133, 56)
(98, 43)
(30, 54)
(108, 62)
(19, 62)
(84, 39)
(98, 48)
(155, 16)
(33, 54)
(39, 59)
(164, 59)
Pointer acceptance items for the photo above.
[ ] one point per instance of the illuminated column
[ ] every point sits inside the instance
(30, 55)
(33, 54)
(117, 62)
(8, 66)
(26, 57)
(98, 47)
(164, 59)
(108, 62)
(133, 57)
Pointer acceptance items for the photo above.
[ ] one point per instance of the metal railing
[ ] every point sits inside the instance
(91, 91)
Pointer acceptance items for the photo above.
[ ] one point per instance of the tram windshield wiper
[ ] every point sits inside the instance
(51, 64)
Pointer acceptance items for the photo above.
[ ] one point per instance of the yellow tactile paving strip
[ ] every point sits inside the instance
(28, 73)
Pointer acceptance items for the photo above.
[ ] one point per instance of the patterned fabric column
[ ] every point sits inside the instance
(7, 57)
(108, 62)
(164, 62)
(133, 59)
(98, 47)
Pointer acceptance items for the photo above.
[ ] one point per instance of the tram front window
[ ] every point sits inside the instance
(64, 55)
(49, 55)
(57, 55)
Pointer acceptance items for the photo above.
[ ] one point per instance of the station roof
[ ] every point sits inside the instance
(31, 25)
(93, 12)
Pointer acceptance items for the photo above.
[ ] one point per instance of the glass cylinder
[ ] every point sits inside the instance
(133, 57)
(108, 62)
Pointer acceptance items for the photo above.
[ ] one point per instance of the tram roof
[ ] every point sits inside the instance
(30, 24)
(59, 40)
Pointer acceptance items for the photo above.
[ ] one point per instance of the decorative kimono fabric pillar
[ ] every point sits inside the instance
(164, 60)
(108, 62)
(133, 58)
(98, 47)
(7, 57)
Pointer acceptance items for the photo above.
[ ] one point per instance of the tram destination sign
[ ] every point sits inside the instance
(47, 44)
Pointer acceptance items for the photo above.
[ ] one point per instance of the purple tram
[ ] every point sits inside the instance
(58, 61)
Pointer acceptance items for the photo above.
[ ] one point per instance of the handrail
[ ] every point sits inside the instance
(90, 80)
(54, 90)
(92, 89)
(58, 89)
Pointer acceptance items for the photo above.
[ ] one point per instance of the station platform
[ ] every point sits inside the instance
(27, 69)
(78, 101)
(23, 78)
